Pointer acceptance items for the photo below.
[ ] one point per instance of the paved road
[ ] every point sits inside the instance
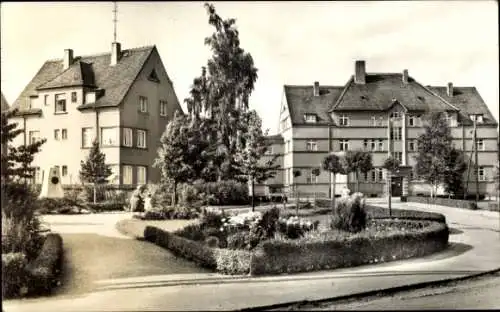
(482, 293)
(474, 248)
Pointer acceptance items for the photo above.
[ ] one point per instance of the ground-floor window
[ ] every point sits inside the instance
(141, 174)
(127, 174)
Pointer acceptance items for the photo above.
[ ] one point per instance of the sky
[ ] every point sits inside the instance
(293, 43)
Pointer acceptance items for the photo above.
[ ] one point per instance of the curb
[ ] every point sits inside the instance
(386, 291)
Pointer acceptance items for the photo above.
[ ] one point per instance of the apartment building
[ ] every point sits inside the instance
(380, 113)
(123, 99)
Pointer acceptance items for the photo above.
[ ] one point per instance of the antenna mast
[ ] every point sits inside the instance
(115, 10)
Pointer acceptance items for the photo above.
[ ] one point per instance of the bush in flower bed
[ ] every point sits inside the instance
(336, 249)
(349, 214)
(14, 276)
(171, 213)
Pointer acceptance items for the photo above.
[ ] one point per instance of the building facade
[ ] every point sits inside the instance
(122, 99)
(380, 113)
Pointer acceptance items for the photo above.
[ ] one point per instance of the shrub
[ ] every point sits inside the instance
(349, 214)
(192, 232)
(87, 193)
(238, 240)
(58, 205)
(191, 195)
(294, 227)
(160, 194)
(457, 203)
(14, 276)
(18, 201)
(46, 267)
(21, 236)
(212, 241)
(106, 206)
(212, 219)
(219, 193)
(137, 200)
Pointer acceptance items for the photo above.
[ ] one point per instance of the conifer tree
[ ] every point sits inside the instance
(94, 169)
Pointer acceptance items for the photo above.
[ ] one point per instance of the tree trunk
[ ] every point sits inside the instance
(332, 204)
(253, 195)
(95, 193)
(357, 181)
(297, 200)
(174, 194)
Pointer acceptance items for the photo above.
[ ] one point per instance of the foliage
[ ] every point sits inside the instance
(238, 240)
(333, 164)
(350, 214)
(94, 169)
(16, 161)
(357, 162)
(437, 160)
(228, 192)
(171, 213)
(182, 154)
(453, 172)
(458, 203)
(221, 93)
(392, 164)
(14, 276)
(137, 199)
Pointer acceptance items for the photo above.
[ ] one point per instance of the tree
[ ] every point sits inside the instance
(436, 156)
(333, 164)
(222, 91)
(357, 162)
(315, 172)
(455, 167)
(391, 164)
(16, 161)
(94, 169)
(249, 157)
(182, 154)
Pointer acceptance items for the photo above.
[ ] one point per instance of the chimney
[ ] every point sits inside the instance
(449, 89)
(359, 73)
(316, 88)
(115, 53)
(405, 76)
(68, 58)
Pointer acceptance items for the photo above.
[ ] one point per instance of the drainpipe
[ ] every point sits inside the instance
(329, 151)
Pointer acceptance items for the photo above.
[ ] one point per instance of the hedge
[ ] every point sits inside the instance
(457, 203)
(302, 255)
(222, 260)
(38, 276)
(45, 269)
(307, 254)
(106, 206)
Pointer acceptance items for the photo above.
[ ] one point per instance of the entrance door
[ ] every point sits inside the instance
(397, 186)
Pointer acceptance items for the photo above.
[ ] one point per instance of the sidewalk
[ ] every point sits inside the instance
(474, 248)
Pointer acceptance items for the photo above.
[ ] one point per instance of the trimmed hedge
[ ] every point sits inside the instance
(106, 206)
(287, 256)
(327, 251)
(222, 260)
(457, 203)
(45, 269)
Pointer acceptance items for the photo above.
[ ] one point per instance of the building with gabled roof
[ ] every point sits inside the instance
(316, 120)
(123, 99)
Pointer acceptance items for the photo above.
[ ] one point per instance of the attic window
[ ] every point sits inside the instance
(477, 117)
(153, 76)
(310, 118)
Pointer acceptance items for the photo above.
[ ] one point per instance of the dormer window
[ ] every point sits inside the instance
(477, 117)
(395, 115)
(343, 120)
(153, 76)
(310, 118)
(89, 97)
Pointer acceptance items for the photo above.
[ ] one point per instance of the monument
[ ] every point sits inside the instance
(51, 184)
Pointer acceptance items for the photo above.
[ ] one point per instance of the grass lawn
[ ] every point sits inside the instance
(135, 227)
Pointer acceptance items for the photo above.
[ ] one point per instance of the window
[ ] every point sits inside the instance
(46, 100)
(60, 103)
(56, 134)
(374, 121)
(411, 121)
(310, 118)
(269, 150)
(365, 176)
(477, 117)
(127, 137)
(141, 138)
(480, 145)
(34, 136)
(380, 174)
(141, 174)
(373, 145)
(114, 178)
(89, 97)
(373, 175)
(380, 145)
(343, 120)
(127, 174)
(396, 134)
(311, 178)
(64, 134)
(312, 145)
(365, 144)
(398, 156)
(64, 171)
(163, 108)
(452, 122)
(481, 174)
(73, 97)
(411, 146)
(143, 104)
(109, 136)
(395, 115)
(344, 145)
(87, 137)
(381, 121)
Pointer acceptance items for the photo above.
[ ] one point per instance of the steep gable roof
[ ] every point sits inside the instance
(468, 100)
(381, 89)
(301, 101)
(93, 70)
